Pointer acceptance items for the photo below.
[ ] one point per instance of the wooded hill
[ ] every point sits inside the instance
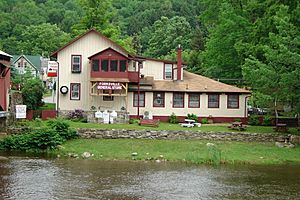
(257, 41)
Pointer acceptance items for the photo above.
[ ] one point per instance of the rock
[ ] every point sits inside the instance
(86, 154)
(279, 144)
(290, 146)
(3, 158)
(210, 144)
(58, 156)
(161, 156)
(134, 153)
(157, 161)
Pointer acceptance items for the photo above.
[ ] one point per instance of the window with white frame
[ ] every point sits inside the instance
(140, 99)
(168, 71)
(75, 91)
(76, 63)
(158, 99)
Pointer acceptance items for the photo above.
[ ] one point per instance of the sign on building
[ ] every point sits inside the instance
(109, 86)
(20, 111)
(52, 69)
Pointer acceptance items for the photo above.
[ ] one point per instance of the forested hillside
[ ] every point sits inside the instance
(257, 41)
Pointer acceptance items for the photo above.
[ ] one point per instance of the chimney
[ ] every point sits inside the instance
(179, 63)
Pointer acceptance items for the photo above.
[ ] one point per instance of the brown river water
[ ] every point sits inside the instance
(41, 178)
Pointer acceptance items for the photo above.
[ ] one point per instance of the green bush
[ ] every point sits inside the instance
(192, 117)
(57, 132)
(204, 121)
(133, 121)
(237, 120)
(253, 120)
(267, 121)
(173, 119)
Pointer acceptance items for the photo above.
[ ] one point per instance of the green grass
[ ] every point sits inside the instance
(168, 126)
(48, 106)
(194, 151)
(48, 93)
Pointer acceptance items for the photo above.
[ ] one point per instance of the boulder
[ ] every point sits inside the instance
(86, 154)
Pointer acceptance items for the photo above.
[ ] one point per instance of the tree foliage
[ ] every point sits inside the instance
(32, 93)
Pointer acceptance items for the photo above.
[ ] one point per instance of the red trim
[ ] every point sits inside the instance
(72, 56)
(174, 98)
(179, 63)
(79, 91)
(107, 51)
(136, 93)
(218, 101)
(198, 100)
(54, 54)
(165, 72)
(238, 101)
(163, 95)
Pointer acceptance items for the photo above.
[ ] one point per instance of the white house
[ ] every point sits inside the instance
(95, 72)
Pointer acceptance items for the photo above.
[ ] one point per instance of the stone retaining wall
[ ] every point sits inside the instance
(198, 135)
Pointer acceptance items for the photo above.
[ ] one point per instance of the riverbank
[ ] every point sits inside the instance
(193, 151)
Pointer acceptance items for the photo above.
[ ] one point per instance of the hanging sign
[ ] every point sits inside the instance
(109, 86)
(20, 111)
(52, 69)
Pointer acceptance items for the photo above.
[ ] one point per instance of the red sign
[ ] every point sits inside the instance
(109, 86)
(52, 69)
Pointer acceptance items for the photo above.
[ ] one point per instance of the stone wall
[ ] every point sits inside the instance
(198, 135)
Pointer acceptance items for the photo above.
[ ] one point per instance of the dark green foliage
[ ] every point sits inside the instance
(267, 120)
(253, 120)
(193, 117)
(56, 133)
(204, 121)
(133, 121)
(32, 92)
(173, 119)
(237, 120)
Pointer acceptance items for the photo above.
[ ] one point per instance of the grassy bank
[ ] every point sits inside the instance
(165, 126)
(193, 151)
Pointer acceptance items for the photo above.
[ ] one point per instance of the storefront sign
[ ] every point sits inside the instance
(20, 111)
(52, 69)
(109, 86)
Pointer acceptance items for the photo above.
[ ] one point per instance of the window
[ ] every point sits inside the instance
(123, 64)
(113, 65)
(108, 98)
(158, 99)
(76, 63)
(75, 91)
(168, 71)
(213, 101)
(233, 101)
(178, 100)
(142, 99)
(194, 100)
(104, 65)
(96, 65)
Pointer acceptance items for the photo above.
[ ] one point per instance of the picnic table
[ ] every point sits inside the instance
(188, 123)
(280, 127)
(238, 126)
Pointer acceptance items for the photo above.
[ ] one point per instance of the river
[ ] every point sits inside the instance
(41, 178)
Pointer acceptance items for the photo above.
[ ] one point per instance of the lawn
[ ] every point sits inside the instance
(167, 126)
(194, 151)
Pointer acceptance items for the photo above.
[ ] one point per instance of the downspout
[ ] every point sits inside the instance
(246, 113)
(138, 106)
(57, 89)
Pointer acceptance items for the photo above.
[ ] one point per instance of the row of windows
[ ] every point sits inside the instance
(159, 99)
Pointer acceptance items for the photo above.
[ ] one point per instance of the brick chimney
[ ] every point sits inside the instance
(179, 63)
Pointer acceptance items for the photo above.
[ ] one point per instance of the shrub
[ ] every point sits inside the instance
(267, 121)
(62, 127)
(133, 121)
(173, 119)
(204, 121)
(76, 115)
(237, 120)
(192, 117)
(253, 120)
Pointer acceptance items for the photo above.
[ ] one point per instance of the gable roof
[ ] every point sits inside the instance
(107, 49)
(54, 54)
(34, 61)
(196, 83)
(5, 54)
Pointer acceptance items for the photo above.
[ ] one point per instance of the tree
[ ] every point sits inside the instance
(32, 93)
(275, 74)
(167, 34)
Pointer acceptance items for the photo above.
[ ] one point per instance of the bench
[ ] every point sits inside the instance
(280, 127)
(237, 126)
(186, 125)
(283, 124)
(149, 122)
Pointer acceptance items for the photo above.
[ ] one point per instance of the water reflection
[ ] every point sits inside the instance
(27, 178)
